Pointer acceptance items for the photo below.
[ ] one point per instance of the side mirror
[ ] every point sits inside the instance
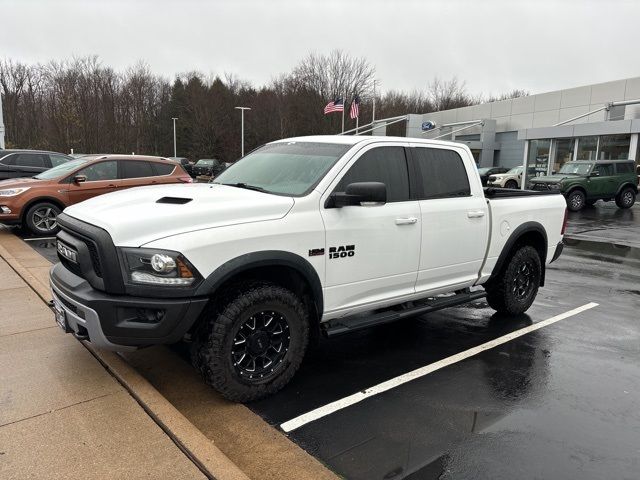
(79, 179)
(361, 193)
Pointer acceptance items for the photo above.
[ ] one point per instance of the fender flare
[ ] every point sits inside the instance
(625, 185)
(266, 258)
(513, 239)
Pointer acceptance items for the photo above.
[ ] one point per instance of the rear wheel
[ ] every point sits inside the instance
(511, 184)
(517, 285)
(42, 219)
(576, 200)
(626, 198)
(253, 343)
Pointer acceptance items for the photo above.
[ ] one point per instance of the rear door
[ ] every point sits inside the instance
(454, 220)
(101, 178)
(29, 164)
(372, 252)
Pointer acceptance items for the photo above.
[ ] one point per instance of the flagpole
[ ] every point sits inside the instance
(373, 114)
(357, 118)
(344, 105)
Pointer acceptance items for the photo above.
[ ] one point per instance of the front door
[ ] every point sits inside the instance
(605, 183)
(101, 177)
(372, 252)
(455, 221)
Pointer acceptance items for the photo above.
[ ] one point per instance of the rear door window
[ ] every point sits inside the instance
(30, 160)
(382, 164)
(441, 173)
(135, 169)
(624, 167)
(57, 160)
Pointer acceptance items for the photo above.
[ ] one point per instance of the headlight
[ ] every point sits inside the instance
(147, 266)
(555, 186)
(12, 192)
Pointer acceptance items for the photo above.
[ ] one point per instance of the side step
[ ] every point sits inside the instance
(361, 321)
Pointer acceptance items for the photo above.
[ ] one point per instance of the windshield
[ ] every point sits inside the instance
(292, 168)
(515, 171)
(205, 162)
(62, 169)
(573, 168)
(484, 170)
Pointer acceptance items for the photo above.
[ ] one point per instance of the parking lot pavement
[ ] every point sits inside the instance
(561, 401)
(606, 223)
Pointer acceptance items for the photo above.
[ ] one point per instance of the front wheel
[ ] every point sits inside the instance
(517, 285)
(42, 219)
(511, 184)
(576, 200)
(626, 198)
(252, 345)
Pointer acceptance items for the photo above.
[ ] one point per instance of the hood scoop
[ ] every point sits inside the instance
(174, 200)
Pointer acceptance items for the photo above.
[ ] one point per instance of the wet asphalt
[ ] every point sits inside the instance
(562, 402)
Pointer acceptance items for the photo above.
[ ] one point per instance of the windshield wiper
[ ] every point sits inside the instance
(245, 186)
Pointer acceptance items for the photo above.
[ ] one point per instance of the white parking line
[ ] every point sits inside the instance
(38, 239)
(345, 402)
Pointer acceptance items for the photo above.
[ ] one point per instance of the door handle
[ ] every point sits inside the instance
(475, 214)
(111, 185)
(406, 221)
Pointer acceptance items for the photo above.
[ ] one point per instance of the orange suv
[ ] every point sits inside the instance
(36, 202)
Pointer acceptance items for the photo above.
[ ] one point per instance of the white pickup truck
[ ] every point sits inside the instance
(304, 236)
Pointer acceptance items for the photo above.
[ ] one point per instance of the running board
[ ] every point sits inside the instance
(359, 322)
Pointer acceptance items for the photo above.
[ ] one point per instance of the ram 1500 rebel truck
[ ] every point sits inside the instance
(304, 236)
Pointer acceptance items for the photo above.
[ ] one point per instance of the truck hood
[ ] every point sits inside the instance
(140, 215)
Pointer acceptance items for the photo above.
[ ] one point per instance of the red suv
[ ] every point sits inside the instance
(36, 202)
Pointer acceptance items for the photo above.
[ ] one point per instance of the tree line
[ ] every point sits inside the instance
(81, 104)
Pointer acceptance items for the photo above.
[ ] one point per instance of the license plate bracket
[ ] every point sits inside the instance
(60, 316)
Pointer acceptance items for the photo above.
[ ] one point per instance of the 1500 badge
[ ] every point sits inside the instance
(342, 251)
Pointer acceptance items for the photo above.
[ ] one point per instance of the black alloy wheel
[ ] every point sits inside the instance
(260, 345)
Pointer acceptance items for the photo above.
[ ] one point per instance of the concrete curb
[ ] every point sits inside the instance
(195, 445)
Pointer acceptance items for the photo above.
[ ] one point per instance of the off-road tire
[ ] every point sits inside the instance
(213, 341)
(504, 292)
(35, 222)
(511, 184)
(576, 200)
(626, 198)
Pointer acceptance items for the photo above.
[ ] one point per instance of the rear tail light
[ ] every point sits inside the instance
(185, 179)
(564, 222)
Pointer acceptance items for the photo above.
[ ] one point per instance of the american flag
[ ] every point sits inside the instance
(336, 106)
(354, 111)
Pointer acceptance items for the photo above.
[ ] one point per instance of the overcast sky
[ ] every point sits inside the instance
(494, 46)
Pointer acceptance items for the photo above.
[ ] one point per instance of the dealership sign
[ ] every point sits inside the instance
(428, 126)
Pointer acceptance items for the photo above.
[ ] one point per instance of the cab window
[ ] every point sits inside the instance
(101, 171)
(382, 164)
(441, 173)
(57, 160)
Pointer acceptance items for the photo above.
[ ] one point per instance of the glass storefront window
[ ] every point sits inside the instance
(614, 147)
(587, 147)
(563, 152)
(538, 160)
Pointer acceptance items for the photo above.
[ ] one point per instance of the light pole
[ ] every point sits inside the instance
(175, 150)
(242, 109)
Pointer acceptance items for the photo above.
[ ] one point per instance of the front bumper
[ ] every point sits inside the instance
(120, 322)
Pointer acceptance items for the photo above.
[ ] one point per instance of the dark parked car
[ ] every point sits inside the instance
(184, 162)
(486, 171)
(27, 163)
(208, 167)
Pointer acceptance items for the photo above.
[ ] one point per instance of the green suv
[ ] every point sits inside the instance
(585, 182)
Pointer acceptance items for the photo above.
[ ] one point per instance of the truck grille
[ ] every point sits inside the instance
(539, 187)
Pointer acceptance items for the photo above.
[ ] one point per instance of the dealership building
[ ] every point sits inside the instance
(543, 131)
